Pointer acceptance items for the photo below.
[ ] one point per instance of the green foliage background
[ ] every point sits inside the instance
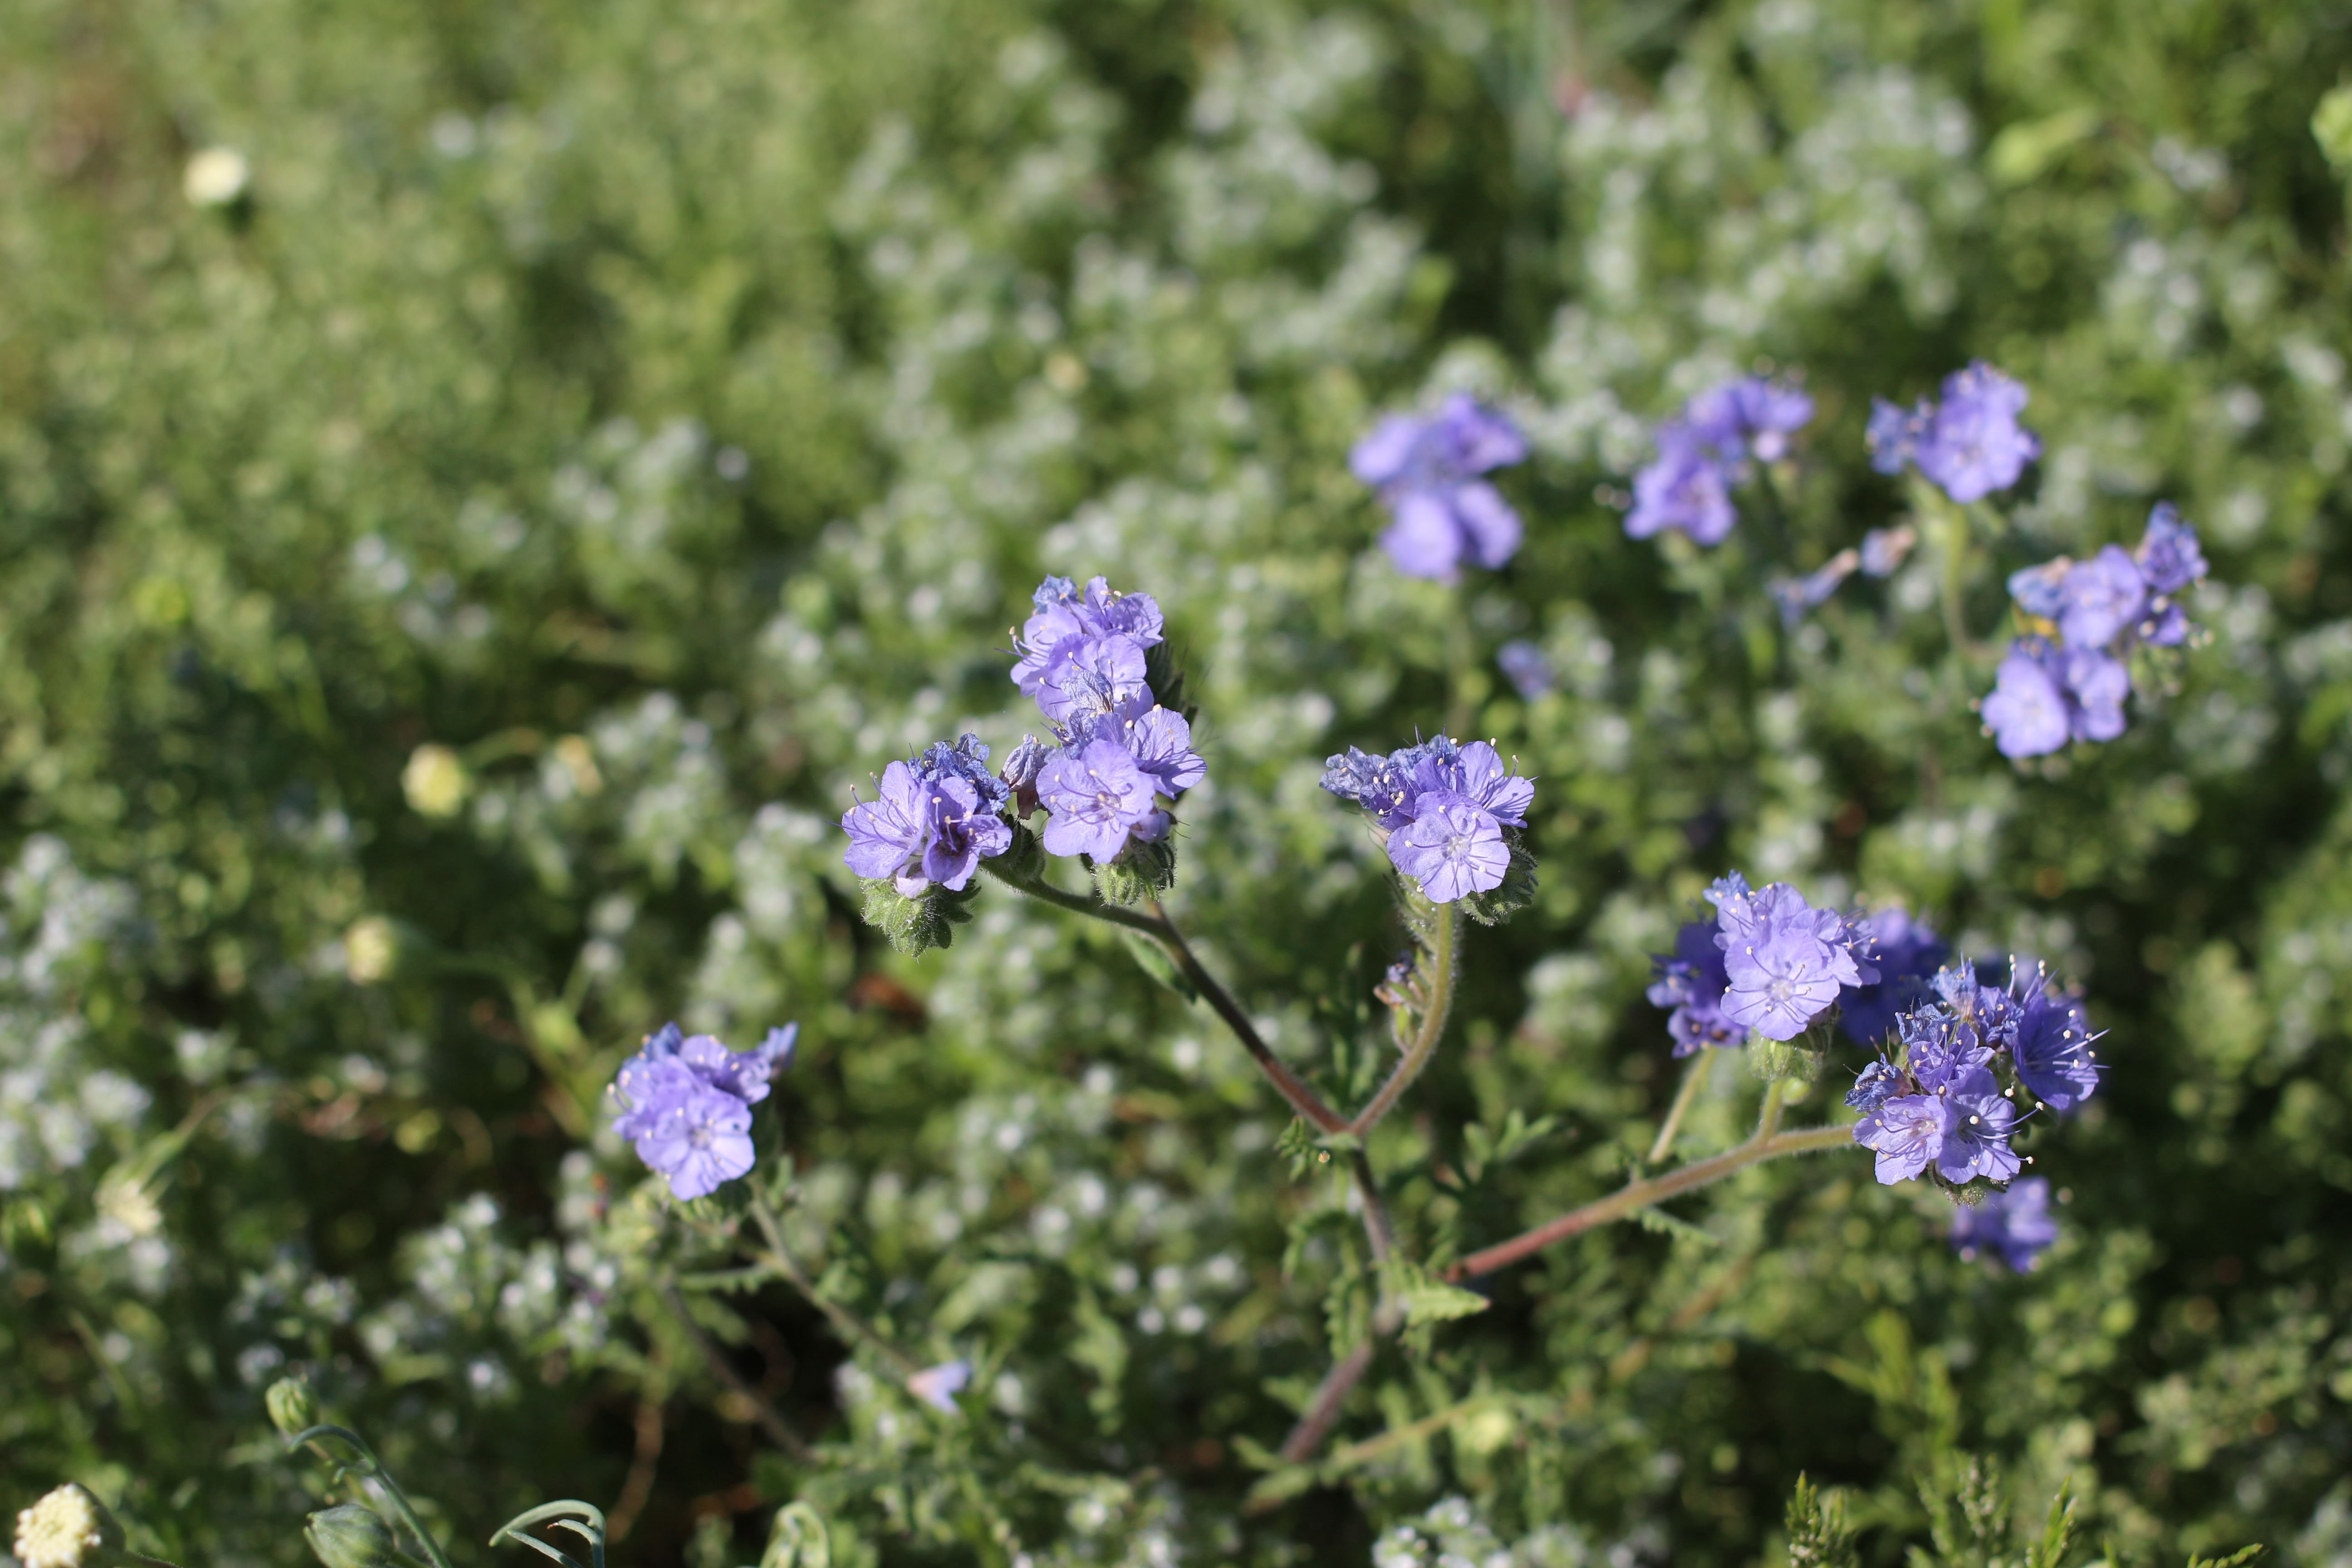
(666, 406)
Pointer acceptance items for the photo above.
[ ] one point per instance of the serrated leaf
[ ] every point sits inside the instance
(1429, 1299)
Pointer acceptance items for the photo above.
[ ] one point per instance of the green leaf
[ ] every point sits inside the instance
(1153, 960)
(1660, 1222)
(1429, 1299)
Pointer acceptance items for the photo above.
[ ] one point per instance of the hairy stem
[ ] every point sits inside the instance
(780, 1257)
(1636, 1195)
(1433, 1024)
(1694, 1080)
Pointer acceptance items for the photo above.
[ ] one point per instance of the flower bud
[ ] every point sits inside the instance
(291, 1406)
(350, 1536)
(67, 1529)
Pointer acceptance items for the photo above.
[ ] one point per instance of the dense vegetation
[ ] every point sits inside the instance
(480, 482)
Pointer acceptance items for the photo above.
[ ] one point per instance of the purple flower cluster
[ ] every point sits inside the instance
(1944, 1106)
(1970, 443)
(2071, 686)
(685, 1102)
(1769, 963)
(2013, 1223)
(1448, 813)
(1703, 452)
(1426, 471)
(934, 818)
(1083, 655)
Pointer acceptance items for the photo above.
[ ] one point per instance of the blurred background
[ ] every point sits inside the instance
(479, 483)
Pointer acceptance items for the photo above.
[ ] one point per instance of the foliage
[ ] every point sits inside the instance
(458, 553)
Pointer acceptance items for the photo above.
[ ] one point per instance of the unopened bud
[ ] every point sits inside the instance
(292, 1406)
(350, 1536)
(67, 1529)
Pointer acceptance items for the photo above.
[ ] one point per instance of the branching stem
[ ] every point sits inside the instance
(1767, 1144)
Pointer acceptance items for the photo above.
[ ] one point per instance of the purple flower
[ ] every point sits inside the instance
(1092, 677)
(2167, 556)
(1906, 1133)
(2052, 1046)
(1750, 415)
(964, 831)
(936, 1386)
(1389, 788)
(1976, 1135)
(1063, 614)
(685, 1102)
(1942, 1050)
(2014, 1224)
(1100, 798)
(2097, 684)
(1785, 960)
(1021, 769)
(1452, 849)
(1692, 982)
(2041, 591)
(1526, 668)
(1971, 443)
(2027, 712)
(1893, 434)
(1425, 471)
(1158, 740)
(1874, 1086)
(966, 759)
(1686, 486)
(890, 832)
(933, 819)
(1476, 773)
(699, 1139)
(1908, 952)
(2099, 598)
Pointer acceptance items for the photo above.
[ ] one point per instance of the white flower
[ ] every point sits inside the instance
(216, 177)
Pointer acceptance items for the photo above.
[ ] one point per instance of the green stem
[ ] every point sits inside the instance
(1433, 1026)
(377, 1473)
(1693, 1079)
(1461, 652)
(780, 1257)
(1637, 1195)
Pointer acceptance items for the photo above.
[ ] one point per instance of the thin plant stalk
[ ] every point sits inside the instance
(1694, 1080)
(1433, 1026)
(1768, 1143)
(779, 1256)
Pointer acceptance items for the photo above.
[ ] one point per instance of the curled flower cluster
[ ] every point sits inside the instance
(2068, 680)
(1945, 1104)
(1449, 814)
(1704, 451)
(2012, 1222)
(1427, 473)
(1083, 655)
(1769, 963)
(685, 1102)
(1970, 443)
